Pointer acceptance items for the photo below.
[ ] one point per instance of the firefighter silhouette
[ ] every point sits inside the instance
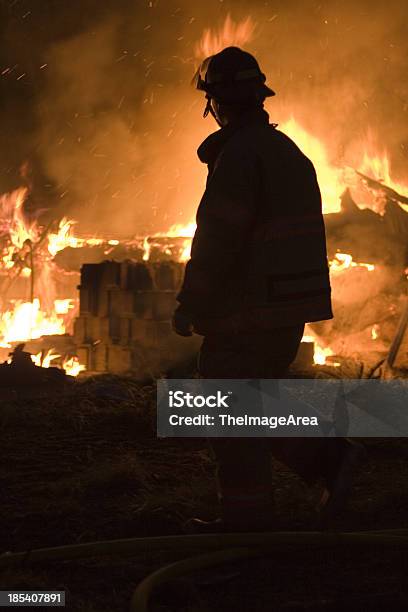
(258, 272)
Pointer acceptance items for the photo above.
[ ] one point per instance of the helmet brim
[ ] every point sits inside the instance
(211, 88)
(267, 91)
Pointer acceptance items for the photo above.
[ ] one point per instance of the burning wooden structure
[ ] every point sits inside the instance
(121, 319)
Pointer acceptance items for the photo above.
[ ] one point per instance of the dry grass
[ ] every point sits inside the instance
(86, 465)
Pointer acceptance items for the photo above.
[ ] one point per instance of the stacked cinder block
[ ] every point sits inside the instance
(124, 324)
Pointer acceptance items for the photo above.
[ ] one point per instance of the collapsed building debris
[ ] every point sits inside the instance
(368, 299)
(21, 370)
(368, 235)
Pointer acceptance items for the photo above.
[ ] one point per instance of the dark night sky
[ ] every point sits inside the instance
(96, 96)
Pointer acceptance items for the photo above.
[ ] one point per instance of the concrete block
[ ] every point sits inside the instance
(120, 302)
(163, 305)
(99, 357)
(88, 300)
(164, 276)
(144, 332)
(83, 356)
(91, 275)
(114, 329)
(124, 266)
(142, 306)
(80, 330)
(110, 274)
(91, 329)
(139, 277)
(125, 331)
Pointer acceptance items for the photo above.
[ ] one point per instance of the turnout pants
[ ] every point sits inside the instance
(244, 464)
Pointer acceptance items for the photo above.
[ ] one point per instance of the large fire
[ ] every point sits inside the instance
(334, 180)
(28, 249)
(27, 241)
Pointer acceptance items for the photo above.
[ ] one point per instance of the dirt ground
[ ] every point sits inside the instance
(85, 464)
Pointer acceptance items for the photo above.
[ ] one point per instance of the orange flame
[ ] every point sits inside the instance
(14, 224)
(320, 352)
(330, 178)
(26, 321)
(63, 307)
(378, 167)
(333, 181)
(72, 366)
(65, 238)
(45, 361)
(230, 34)
(375, 332)
(187, 232)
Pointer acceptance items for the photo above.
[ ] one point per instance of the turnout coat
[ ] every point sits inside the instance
(258, 258)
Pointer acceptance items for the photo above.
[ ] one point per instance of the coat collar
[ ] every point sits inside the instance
(209, 150)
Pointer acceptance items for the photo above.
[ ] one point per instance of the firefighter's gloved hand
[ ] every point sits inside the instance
(182, 323)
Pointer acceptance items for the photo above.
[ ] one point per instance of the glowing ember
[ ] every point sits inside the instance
(342, 261)
(374, 332)
(320, 353)
(63, 306)
(146, 249)
(72, 366)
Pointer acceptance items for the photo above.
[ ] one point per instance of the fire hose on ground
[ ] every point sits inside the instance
(219, 549)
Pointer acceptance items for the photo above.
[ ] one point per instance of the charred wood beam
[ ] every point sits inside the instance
(391, 194)
(398, 338)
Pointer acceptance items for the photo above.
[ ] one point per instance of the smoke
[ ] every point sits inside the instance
(118, 128)
(106, 115)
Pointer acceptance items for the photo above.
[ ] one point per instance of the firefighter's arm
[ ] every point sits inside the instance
(224, 220)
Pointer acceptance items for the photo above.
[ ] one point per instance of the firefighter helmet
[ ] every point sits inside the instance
(232, 76)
